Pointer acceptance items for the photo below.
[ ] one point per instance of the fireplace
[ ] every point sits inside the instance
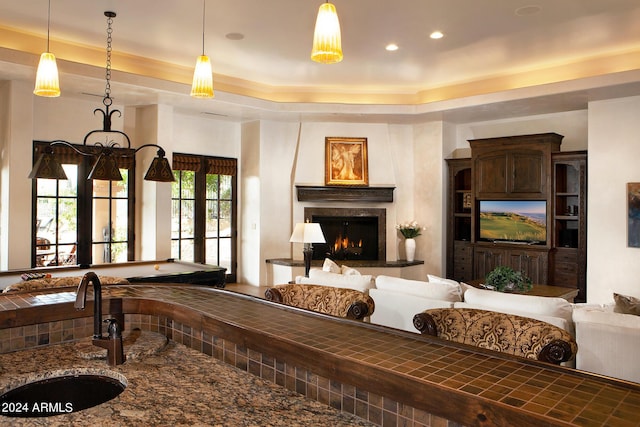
(351, 234)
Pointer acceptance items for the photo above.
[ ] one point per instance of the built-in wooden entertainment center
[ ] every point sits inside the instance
(527, 170)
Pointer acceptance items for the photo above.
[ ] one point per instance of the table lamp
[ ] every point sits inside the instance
(307, 233)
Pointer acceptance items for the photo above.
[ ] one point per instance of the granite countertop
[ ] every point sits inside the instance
(173, 386)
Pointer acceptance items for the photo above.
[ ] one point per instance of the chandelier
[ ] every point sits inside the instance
(106, 166)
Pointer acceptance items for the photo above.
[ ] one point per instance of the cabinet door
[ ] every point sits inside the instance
(527, 173)
(533, 264)
(486, 259)
(491, 174)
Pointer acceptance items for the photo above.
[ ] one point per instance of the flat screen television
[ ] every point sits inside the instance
(517, 221)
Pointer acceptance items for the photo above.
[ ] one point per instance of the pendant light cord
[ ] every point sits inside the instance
(48, 24)
(203, 22)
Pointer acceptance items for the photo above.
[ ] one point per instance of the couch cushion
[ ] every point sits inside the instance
(499, 301)
(348, 271)
(436, 290)
(330, 266)
(396, 309)
(360, 283)
(627, 304)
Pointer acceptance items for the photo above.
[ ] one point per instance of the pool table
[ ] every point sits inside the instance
(165, 271)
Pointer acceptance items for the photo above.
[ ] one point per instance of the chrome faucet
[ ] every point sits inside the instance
(112, 342)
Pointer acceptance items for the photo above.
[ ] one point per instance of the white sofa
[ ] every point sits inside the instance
(608, 342)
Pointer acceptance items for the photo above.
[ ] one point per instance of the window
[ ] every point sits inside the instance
(204, 218)
(78, 221)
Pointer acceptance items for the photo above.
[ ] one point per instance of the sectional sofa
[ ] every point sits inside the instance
(608, 339)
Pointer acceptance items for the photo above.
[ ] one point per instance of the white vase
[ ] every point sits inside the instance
(410, 249)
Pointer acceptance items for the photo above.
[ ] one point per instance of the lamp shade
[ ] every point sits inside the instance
(327, 42)
(106, 169)
(159, 171)
(202, 86)
(307, 232)
(47, 167)
(47, 83)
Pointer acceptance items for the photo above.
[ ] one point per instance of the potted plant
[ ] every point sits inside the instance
(506, 279)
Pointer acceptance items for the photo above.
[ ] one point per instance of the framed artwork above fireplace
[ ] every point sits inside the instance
(346, 161)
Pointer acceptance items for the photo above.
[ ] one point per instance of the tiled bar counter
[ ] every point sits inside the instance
(384, 376)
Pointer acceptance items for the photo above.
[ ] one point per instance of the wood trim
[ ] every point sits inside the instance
(344, 194)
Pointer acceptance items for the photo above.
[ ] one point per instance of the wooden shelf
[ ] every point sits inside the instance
(344, 194)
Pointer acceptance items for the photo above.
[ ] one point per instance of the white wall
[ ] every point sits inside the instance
(15, 159)
(614, 152)
(572, 125)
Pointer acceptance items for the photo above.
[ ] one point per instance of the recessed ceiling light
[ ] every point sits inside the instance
(235, 36)
(391, 47)
(436, 35)
(531, 9)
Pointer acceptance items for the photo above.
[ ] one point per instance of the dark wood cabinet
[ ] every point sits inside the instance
(534, 263)
(528, 167)
(459, 208)
(514, 167)
(569, 258)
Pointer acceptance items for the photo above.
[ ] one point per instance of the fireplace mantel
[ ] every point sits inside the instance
(344, 194)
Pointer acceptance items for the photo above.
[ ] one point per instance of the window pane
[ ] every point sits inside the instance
(212, 219)
(211, 251)
(121, 188)
(212, 186)
(46, 223)
(119, 252)
(225, 187)
(175, 249)
(46, 187)
(68, 219)
(225, 219)
(186, 251)
(187, 218)
(102, 229)
(69, 187)
(188, 184)
(175, 219)
(120, 220)
(175, 185)
(225, 254)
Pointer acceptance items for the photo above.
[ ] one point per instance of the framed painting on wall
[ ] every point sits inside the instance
(346, 161)
(633, 214)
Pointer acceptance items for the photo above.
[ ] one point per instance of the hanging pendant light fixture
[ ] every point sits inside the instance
(47, 83)
(327, 43)
(106, 166)
(202, 86)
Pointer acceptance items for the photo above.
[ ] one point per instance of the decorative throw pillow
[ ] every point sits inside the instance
(348, 271)
(330, 266)
(433, 290)
(626, 304)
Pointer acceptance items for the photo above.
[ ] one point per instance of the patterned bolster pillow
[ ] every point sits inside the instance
(506, 333)
(339, 302)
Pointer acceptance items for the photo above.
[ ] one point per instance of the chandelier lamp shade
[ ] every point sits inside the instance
(307, 233)
(47, 82)
(327, 43)
(106, 166)
(202, 86)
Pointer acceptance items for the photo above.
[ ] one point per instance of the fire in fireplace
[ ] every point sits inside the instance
(351, 234)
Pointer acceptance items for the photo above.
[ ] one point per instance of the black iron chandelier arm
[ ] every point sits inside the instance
(161, 153)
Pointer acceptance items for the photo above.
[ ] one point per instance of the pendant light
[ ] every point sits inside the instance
(202, 86)
(327, 43)
(47, 83)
